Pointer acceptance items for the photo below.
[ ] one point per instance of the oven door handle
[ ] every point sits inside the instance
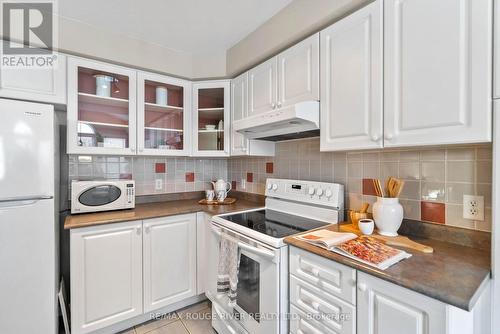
(259, 251)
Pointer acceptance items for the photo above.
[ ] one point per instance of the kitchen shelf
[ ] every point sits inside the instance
(103, 100)
(105, 124)
(209, 131)
(163, 129)
(211, 109)
(161, 108)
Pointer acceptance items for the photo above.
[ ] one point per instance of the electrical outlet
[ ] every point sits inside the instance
(473, 207)
(158, 184)
(243, 184)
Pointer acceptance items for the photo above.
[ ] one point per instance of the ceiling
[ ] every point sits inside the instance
(193, 26)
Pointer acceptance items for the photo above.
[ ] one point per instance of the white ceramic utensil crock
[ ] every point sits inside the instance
(388, 216)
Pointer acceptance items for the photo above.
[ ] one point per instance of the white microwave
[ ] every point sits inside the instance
(93, 196)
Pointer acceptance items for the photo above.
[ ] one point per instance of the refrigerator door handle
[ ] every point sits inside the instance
(25, 198)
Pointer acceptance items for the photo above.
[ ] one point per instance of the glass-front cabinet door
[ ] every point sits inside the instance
(211, 118)
(101, 108)
(163, 115)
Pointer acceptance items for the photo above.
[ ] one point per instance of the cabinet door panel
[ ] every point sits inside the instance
(298, 72)
(106, 275)
(351, 87)
(496, 65)
(437, 72)
(169, 260)
(239, 104)
(385, 308)
(262, 87)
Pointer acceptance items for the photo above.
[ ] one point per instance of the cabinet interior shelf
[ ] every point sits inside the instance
(211, 109)
(161, 108)
(208, 131)
(163, 129)
(103, 100)
(105, 124)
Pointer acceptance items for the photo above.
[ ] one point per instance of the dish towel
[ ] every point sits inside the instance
(229, 263)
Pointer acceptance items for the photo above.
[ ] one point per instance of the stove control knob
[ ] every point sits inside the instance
(328, 193)
(275, 186)
(319, 192)
(312, 191)
(269, 186)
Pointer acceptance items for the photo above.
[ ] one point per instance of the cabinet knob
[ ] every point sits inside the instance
(279, 104)
(362, 287)
(138, 230)
(147, 229)
(389, 136)
(375, 137)
(273, 105)
(132, 150)
(141, 150)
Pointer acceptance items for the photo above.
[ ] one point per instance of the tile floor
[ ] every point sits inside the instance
(194, 319)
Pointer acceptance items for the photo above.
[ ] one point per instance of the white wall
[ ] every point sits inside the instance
(296, 21)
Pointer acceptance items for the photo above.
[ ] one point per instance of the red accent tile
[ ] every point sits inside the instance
(249, 177)
(269, 167)
(368, 187)
(189, 177)
(160, 167)
(126, 176)
(433, 212)
(233, 185)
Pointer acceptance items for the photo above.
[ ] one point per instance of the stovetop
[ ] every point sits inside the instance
(274, 223)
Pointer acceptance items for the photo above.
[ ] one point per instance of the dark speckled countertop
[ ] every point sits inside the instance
(454, 274)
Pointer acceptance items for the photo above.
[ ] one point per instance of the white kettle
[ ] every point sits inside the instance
(221, 185)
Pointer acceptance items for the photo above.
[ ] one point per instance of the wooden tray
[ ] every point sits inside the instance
(227, 201)
(398, 241)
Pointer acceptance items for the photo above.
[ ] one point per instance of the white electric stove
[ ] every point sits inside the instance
(291, 206)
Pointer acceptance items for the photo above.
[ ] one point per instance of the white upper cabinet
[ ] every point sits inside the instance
(239, 103)
(496, 18)
(169, 260)
(298, 73)
(240, 145)
(437, 72)
(163, 115)
(389, 309)
(36, 84)
(101, 108)
(106, 275)
(352, 81)
(288, 78)
(211, 118)
(262, 87)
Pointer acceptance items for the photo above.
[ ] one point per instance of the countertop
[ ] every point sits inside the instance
(154, 210)
(453, 274)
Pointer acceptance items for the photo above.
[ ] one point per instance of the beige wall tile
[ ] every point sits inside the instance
(371, 170)
(411, 209)
(433, 191)
(433, 155)
(465, 153)
(433, 171)
(411, 190)
(484, 171)
(460, 171)
(409, 170)
(354, 169)
(454, 217)
(456, 192)
(409, 155)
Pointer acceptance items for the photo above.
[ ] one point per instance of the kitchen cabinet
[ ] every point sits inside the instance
(106, 275)
(240, 145)
(387, 308)
(169, 260)
(211, 118)
(101, 110)
(352, 86)
(163, 115)
(437, 72)
(286, 79)
(36, 84)
(496, 51)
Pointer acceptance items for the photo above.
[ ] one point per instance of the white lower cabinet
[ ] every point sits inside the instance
(106, 275)
(169, 260)
(123, 270)
(386, 308)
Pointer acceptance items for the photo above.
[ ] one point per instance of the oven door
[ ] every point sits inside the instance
(257, 302)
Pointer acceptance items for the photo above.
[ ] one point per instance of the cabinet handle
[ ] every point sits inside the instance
(138, 230)
(389, 136)
(375, 137)
(362, 287)
(141, 150)
(132, 149)
(279, 104)
(147, 229)
(273, 105)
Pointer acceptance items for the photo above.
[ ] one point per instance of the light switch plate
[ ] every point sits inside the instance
(158, 184)
(473, 207)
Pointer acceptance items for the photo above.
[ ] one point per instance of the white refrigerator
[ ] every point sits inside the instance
(28, 250)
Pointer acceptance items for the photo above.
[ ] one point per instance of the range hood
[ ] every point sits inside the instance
(300, 120)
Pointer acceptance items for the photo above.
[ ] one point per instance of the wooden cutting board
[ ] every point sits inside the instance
(398, 241)
(227, 201)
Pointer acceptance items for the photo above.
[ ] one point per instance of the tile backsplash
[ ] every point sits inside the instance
(435, 178)
(178, 174)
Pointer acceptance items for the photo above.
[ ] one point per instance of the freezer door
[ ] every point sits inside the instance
(28, 261)
(26, 149)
